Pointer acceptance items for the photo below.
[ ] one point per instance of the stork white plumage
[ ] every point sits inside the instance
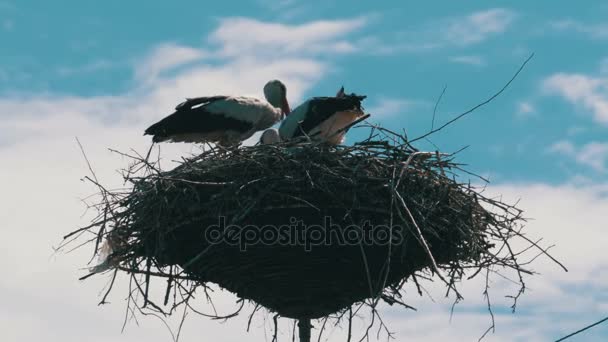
(270, 136)
(322, 117)
(225, 120)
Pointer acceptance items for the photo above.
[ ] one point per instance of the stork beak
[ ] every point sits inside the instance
(285, 107)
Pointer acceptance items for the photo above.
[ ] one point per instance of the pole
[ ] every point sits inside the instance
(304, 328)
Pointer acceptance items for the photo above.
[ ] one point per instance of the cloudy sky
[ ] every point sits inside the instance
(104, 72)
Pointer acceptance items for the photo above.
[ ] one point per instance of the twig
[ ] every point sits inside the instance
(479, 105)
(437, 105)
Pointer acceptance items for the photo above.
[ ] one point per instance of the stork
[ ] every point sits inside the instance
(322, 118)
(270, 136)
(225, 120)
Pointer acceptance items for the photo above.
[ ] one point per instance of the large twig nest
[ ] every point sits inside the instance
(304, 229)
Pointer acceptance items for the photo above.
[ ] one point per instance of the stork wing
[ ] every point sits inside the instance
(321, 108)
(191, 102)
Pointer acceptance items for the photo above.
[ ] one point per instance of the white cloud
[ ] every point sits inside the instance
(525, 110)
(563, 147)
(576, 130)
(604, 66)
(164, 58)
(451, 32)
(478, 26)
(596, 31)
(386, 106)
(239, 36)
(94, 66)
(469, 60)
(588, 92)
(381, 46)
(593, 154)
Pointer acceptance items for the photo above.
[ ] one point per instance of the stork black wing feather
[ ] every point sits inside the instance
(195, 120)
(321, 108)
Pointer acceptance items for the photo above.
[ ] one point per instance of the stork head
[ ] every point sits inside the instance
(276, 94)
(270, 136)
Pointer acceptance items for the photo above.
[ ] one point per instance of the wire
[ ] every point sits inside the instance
(583, 329)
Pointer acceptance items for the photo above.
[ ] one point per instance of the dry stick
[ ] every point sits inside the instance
(486, 294)
(383, 326)
(86, 228)
(437, 105)
(425, 245)
(256, 308)
(435, 113)
(129, 299)
(181, 323)
(544, 251)
(423, 241)
(103, 300)
(322, 329)
(169, 283)
(155, 274)
(490, 99)
(216, 316)
(369, 327)
(161, 319)
(148, 266)
(406, 164)
(276, 327)
(390, 244)
(103, 192)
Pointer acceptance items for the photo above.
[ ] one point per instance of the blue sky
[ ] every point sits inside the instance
(105, 71)
(402, 53)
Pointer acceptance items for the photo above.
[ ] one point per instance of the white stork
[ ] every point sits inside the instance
(321, 117)
(225, 120)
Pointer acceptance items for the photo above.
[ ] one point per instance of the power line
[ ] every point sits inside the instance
(583, 329)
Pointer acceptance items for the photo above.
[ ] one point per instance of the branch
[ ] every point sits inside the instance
(479, 105)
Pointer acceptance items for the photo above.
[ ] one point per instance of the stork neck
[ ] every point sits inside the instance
(274, 100)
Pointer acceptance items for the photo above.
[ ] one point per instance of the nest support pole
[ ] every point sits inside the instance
(304, 328)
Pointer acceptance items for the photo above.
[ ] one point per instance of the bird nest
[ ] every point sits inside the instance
(303, 229)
